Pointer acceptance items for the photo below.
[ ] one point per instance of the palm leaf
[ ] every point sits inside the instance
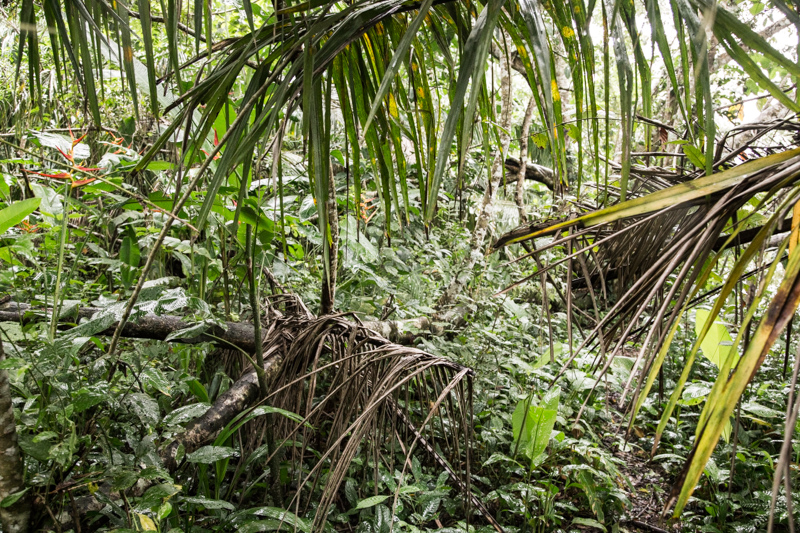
(475, 50)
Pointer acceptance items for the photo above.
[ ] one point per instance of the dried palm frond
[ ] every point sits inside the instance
(350, 393)
(360, 395)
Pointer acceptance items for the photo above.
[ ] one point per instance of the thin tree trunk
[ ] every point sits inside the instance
(14, 518)
(461, 279)
(519, 193)
(329, 284)
(718, 57)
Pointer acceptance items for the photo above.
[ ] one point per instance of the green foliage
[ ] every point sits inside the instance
(17, 212)
(348, 145)
(533, 424)
(717, 344)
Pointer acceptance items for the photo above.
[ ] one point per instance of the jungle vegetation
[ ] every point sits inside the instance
(398, 265)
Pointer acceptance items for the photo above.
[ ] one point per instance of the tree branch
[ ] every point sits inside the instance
(719, 61)
(155, 18)
(202, 429)
(516, 62)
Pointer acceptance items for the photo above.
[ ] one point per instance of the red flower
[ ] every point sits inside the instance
(68, 156)
(59, 176)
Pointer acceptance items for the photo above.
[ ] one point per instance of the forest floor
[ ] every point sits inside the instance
(648, 483)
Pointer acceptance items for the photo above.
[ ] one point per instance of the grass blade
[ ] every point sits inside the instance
(147, 35)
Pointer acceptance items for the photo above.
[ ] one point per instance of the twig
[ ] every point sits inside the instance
(645, 525)
(155, 18)
(752, 98)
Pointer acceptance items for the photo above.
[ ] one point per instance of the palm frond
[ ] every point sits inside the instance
(658, 251)
(365, 396)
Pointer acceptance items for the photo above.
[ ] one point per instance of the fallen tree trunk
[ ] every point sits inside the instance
(203, 429)
(747, 236)
(279, 344)
(149, 326)
(408, 331)
(237, 334)
(533, 172)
